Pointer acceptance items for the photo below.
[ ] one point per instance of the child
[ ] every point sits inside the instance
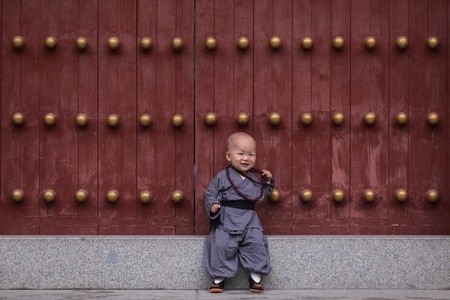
(236, 232)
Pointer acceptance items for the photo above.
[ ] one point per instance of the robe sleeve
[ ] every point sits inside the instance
(270, 186)
(212, 195)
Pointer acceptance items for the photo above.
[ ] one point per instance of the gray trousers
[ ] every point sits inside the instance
(223, 251)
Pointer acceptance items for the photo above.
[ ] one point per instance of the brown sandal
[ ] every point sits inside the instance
(217, 287)
(255, 287)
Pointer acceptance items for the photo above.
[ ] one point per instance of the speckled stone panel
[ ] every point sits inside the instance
(175, 262)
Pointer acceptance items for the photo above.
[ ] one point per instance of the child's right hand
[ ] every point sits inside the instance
(215, 208)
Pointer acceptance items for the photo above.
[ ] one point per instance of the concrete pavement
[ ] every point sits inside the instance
(228, 294)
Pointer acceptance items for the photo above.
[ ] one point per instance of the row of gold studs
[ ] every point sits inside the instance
(369, 195)
(82, 195)
(211, 43)
(177, 196)
(211, 119)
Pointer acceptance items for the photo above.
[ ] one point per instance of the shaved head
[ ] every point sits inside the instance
(238, 135)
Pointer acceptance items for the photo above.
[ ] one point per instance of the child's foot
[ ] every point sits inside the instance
(217, 287)
(255, 287)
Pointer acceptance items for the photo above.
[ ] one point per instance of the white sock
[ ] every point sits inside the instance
(218, 280)
(256, 277)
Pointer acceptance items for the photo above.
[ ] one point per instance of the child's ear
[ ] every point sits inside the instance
(227, 155)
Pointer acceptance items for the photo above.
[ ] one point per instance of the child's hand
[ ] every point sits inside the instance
(215, 208)
(266, 175)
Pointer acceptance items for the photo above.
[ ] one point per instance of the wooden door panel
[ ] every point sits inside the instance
(303, 213)
(11, 143)
(273, 94)
(29, 160)
(353, 80)
(320, 107)
(57, 161)
(116, 96)
(227, 93)
(419, 132)
(446, 203)
(206, 90)
(58, 164)
(87, 104)
(311, 82)
(398, 134)
(147, 155)
(437, 95)
(340, 103)
(292, 80)
(183, 103)
(427, 143)
(369, 93)
(19, 144)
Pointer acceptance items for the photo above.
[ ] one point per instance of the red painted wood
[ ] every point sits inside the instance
(273, 93)
(420, 132)
(11, 136)
(165, 138)
(258, 81)
(184, 104)
(228, 92)
(58, 144)
(87, 104)
(243, 67)
(369, 92)
(399, 102)
(49, 99)
(320, 106)
(69, 74)
(302, 136)
(204, 95)
(427, 89)
(232, 20)
(229, 25)
(171, 159)
(311, 82)
(446, 199)
(147, 76)
(117, 95)
(27, 136)
(340, 100)
(437, 102)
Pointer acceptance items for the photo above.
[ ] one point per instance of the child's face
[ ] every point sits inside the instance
(242, 153)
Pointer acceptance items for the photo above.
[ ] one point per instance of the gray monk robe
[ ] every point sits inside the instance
(236, 231)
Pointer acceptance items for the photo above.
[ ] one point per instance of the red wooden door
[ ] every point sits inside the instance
(141, 163)
(122, 166)
(384, 175)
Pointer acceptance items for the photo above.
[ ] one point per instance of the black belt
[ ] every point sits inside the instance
(241, 204)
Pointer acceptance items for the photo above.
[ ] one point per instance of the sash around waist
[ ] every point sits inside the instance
(241, 204)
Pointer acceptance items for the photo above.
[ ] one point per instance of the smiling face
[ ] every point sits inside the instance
(241, 151)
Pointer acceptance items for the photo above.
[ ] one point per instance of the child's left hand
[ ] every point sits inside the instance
(215, 208)
(266, 175)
